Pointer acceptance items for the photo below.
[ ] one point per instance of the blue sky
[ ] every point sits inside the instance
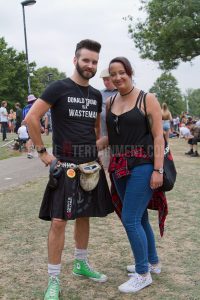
(54, 27)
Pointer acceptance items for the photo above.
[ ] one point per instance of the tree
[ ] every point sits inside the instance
(193, 99)
(171, 32)
(166, 90)
(13, 74)
(44, 76)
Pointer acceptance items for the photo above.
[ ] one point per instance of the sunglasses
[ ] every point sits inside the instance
(116, 125)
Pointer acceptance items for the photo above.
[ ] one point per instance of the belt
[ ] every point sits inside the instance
(67, 165)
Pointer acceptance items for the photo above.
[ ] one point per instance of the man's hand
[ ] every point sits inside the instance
(46, 158)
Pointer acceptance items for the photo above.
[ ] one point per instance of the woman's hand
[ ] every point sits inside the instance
(156, 180)
(102, 143)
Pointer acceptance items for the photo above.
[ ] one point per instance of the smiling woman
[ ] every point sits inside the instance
(132, 172)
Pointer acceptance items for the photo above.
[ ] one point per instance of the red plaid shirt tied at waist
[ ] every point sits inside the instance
(119, 166)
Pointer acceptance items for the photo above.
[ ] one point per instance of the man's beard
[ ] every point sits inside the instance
(83, 74)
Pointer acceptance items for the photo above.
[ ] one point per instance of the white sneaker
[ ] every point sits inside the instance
(135, 283)
(153, 269)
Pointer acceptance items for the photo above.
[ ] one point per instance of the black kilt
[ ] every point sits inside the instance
(69, 201)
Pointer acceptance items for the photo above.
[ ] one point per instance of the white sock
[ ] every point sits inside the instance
(54, 270)
(80, 254)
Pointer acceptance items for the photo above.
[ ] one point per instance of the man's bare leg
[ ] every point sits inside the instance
(56, 241)
(81, 233)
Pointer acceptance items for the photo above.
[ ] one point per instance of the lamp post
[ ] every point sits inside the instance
(27, 3)
(49, 76)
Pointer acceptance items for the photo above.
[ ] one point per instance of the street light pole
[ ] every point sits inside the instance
(27, 3)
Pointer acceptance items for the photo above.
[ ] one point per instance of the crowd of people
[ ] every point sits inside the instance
(76, 111)
(13, 122)
(183, 126)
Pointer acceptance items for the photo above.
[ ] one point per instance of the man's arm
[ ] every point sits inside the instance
(32, 120)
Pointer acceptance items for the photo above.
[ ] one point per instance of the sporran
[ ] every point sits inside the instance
(89, 176)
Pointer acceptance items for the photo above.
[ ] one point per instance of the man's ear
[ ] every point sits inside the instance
(75, 60)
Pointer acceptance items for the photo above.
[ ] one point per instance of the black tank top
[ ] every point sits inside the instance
(128, 130)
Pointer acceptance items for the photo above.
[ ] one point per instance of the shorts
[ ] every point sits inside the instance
(69, 201)
(193, 141)
(166, 125)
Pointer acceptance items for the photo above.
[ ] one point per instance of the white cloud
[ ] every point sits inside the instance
(54, 28)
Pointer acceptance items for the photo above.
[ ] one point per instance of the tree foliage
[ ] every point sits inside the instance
(166, 90)
(193, 99)
(44, 76)
(170, 33)
(13, 76)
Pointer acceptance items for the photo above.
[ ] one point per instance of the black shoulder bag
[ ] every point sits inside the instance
(169, 175)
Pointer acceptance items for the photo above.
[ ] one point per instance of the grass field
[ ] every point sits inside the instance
(23, 254)
(5, 147)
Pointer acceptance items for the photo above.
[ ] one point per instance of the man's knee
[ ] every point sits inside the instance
(58, 225)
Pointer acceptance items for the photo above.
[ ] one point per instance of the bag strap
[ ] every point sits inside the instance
(145, 110)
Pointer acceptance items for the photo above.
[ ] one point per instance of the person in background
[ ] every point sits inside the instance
(11, 120)
(184, 131)
(176, 123)
(193, 139)
(198, 123)
(47, 122)
(109, 90)
(23, 136)
(75, 110)
(4, 120)
(19, 116)
(30, 99)
(167, 118)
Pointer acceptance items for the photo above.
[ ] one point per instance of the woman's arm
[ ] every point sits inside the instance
(154, 115)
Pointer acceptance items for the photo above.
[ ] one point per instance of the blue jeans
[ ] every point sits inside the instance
(4, 129)
(135, 193)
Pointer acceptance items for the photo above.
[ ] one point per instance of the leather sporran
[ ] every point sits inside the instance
(89, 176)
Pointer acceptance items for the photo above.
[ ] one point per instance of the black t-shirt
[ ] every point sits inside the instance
(74, 111)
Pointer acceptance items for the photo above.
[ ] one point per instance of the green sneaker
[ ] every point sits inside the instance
(53, 289)
(82, 268)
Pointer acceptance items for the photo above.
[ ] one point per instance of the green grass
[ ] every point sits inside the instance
(23, 253)
(7, 151)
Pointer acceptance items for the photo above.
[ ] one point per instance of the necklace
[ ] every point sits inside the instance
(128, 92)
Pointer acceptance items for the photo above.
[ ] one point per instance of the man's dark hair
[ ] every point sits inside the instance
(87, 44)
(125, 62)
(17, 104)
